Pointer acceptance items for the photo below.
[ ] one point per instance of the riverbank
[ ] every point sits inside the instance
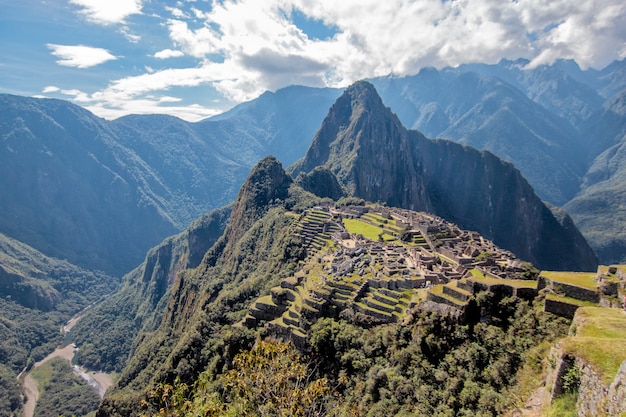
(100, 381)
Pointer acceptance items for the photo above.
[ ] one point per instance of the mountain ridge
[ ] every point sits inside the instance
(364, 144)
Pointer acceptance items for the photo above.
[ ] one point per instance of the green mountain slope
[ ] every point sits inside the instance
(599, 207)
(101, 193)
(202, 341)
(106, 334)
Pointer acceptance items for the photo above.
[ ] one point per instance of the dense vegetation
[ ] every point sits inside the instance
(37, 296)
(428, 365)
(62, 393)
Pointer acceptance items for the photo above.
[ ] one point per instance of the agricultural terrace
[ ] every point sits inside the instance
(600, 337)
(579, 279)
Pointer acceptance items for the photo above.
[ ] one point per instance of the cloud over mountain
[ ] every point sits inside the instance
(237, 49)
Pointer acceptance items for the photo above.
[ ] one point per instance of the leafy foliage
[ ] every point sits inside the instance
(38, 295)
(430, 365)
(9, 393)
(62, 392)
(271, 379)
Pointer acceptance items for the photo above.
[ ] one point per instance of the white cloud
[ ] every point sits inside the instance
(50, 89)
(129, 35)
(176, 12)
(168, 53)
(108, 12)
(80, 56)
(244, 47)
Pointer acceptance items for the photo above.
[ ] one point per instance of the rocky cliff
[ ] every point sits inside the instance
(374, 157)
(139, 304)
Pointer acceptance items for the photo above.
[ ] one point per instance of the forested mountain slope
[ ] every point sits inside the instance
(101, 193)
(202, 355)
(38, 295)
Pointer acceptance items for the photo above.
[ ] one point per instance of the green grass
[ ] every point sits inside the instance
(601, 322)
(378, 220)
(600, 339)
(266, 299)
(363, 228)
(563, 406)
(438, 290)
(579, 279)
(604, 355)
(44, 373)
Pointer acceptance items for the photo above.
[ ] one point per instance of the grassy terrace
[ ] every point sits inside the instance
(570, 300)
(601, 322)
(578, 279)
(438, 291)
(367, 230)
(604, 269)
(517, 283)
(600, 340)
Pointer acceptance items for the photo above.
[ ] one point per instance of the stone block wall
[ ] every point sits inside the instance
(560, 308)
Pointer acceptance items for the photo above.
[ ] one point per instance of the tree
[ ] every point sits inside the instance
(268, 380)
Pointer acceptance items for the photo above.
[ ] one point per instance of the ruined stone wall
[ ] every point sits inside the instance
(592, 394)
(616, 397)
(579, 293)
(560, 308)
(594, 397)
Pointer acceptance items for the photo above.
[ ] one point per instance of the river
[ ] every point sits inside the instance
(98, 380)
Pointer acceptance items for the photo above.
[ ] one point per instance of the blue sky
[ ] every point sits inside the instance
(196, 58)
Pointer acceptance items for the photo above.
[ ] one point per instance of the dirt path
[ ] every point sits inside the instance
(31, 390)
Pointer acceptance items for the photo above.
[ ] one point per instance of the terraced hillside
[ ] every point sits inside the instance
(370, 264)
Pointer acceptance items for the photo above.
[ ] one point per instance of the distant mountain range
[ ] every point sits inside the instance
(100, 193)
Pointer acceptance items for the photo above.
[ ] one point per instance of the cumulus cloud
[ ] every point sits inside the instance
(244, 47)
(80, 56)
(168, 53)
(376, 38)
(108, 12)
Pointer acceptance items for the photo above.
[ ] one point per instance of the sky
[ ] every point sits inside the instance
(197, 58)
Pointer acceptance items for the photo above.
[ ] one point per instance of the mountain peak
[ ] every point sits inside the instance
(366, 147)
(374, 157)
(267, 182)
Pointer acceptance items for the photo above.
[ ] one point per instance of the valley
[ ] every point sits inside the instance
(430, 270)
(98, 381)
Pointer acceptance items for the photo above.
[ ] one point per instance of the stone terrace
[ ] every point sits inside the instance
(376, 280)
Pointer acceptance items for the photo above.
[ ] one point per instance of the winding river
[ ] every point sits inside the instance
(98, 380)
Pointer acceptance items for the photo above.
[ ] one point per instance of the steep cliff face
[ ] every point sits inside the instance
(377, 159)
(368, 150)
(322, 183)
(140, 302)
